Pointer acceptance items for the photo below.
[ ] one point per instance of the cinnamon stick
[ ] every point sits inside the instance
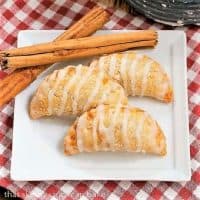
(81, 43)
(17, 81)
(48, 58)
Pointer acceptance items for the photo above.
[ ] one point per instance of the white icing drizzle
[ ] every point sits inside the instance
(94, 131)
(123, 70)
(138, 131)
(94, 63)
(95, 90)
(113, 124)
(98, 120)
(125, 129)
(153, 135)
(60, 76)
(132, 72)
(165, 85)
(80, 127)
(101, 62)
(147, 68)
(103, 97)
(100, 128)
(78, 87)
(112, 66)
(109, 131)
(67, 87)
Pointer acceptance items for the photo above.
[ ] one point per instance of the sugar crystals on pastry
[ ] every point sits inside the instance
(139, 74)
(115, 128)
(73, 90)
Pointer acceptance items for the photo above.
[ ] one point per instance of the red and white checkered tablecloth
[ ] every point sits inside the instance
(49, 14)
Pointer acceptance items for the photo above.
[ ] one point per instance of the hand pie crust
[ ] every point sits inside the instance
(73, 90)
(115, 128)
(139, 74)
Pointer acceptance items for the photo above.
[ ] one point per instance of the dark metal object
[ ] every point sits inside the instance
(170, 12)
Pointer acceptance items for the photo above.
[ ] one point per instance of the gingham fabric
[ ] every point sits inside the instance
(36, 14)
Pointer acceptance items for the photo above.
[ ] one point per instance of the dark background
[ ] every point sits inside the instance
(4, 192)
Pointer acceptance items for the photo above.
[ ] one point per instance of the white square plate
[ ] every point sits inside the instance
(37, 152)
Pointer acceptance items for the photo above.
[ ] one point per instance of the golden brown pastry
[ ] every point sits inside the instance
(138, 74)
(73, 90)
(115, 128)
